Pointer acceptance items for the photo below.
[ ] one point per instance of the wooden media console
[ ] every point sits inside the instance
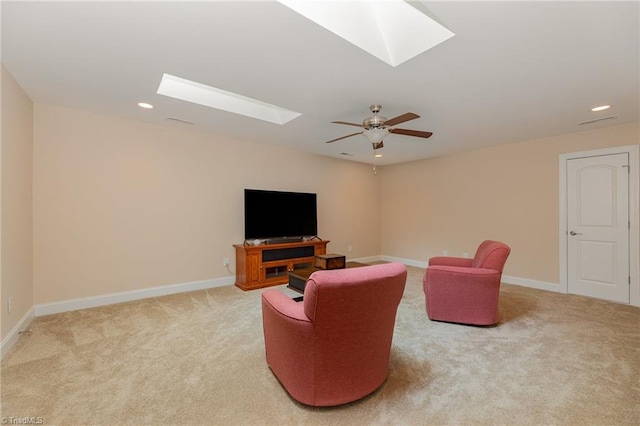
(267, 265)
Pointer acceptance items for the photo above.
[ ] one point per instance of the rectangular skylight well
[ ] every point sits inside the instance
(190, 91)
(391, 30)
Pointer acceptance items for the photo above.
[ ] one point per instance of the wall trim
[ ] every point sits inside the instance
(12, 337)
(128, 296)
(368, 259)
(507, 279)
(408, 262)
(527, 282)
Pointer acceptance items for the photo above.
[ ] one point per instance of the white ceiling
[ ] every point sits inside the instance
(514, 70)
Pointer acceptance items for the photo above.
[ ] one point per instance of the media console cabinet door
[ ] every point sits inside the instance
(253, 268)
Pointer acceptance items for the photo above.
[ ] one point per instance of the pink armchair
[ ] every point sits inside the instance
(334, 346)
(464, 290)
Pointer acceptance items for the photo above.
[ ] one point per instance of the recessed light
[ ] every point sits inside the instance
(145, 105)
(197, 93)
(600, 108)
(394, 31)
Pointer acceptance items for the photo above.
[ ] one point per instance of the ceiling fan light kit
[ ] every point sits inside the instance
(377, 127)
(375, 134)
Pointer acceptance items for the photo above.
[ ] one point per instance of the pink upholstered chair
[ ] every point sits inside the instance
(334, 346)
(465, 290)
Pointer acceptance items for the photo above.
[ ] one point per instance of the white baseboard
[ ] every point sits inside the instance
(110, 299)
(128, 296)
(12, 337)
(103, 300)
(366, 259)
(524, 282)
(408, 262)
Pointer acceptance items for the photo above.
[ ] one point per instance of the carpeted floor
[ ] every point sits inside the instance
(198, 358)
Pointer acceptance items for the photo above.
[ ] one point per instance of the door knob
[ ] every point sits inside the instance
(575, 233)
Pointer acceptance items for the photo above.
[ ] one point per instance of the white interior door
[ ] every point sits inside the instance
(598, 227)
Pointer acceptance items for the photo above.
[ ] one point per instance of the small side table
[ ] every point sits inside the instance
(298, 277)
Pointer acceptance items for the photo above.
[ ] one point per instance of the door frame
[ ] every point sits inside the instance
(634, 216)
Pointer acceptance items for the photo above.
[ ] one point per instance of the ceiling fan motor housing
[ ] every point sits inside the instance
(375, 120)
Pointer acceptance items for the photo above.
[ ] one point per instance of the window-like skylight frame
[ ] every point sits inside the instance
(191, 91)
(394, 31)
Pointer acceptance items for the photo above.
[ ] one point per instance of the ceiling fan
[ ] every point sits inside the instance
(376, 127)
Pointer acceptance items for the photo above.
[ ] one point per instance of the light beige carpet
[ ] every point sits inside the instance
(198, 358)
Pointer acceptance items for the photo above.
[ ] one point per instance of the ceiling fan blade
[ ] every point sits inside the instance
(377, 145)
(401, 119)
(344, 137)
(347, 123)
(408, 132)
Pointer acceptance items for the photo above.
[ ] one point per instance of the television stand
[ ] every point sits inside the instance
(267, 265)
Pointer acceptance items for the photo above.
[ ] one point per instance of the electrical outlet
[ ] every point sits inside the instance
(225, 262)
(445, 253)
(465, 255)
(349, 249)
(10, 304)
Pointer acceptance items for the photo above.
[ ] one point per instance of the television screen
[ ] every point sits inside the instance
(279, 214)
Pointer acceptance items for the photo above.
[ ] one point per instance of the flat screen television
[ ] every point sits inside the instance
(279, 214)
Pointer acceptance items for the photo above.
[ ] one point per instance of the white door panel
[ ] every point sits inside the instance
(598, 225)
(596, 210)
(597, 261)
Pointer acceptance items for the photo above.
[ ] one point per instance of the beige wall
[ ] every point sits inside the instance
(16, 203)
(507, 192)
(121, 205)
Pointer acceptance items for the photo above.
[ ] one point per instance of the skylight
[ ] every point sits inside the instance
(190, 91)
(391, 30)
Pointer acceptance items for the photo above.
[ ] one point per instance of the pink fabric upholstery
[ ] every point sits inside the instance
(334, 347)
(491, 255)
(466, 290)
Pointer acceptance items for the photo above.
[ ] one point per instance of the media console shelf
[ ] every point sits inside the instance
(267, 265)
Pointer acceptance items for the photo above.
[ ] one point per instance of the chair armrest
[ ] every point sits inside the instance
(284, 305)
(465, 295)
(288, 340)
(461, 280)
(451, 261)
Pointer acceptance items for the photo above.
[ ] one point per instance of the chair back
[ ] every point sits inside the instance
(353, 312)
(491, 255)
(354, 294)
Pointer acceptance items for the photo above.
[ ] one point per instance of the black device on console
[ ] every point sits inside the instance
(278, 216)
